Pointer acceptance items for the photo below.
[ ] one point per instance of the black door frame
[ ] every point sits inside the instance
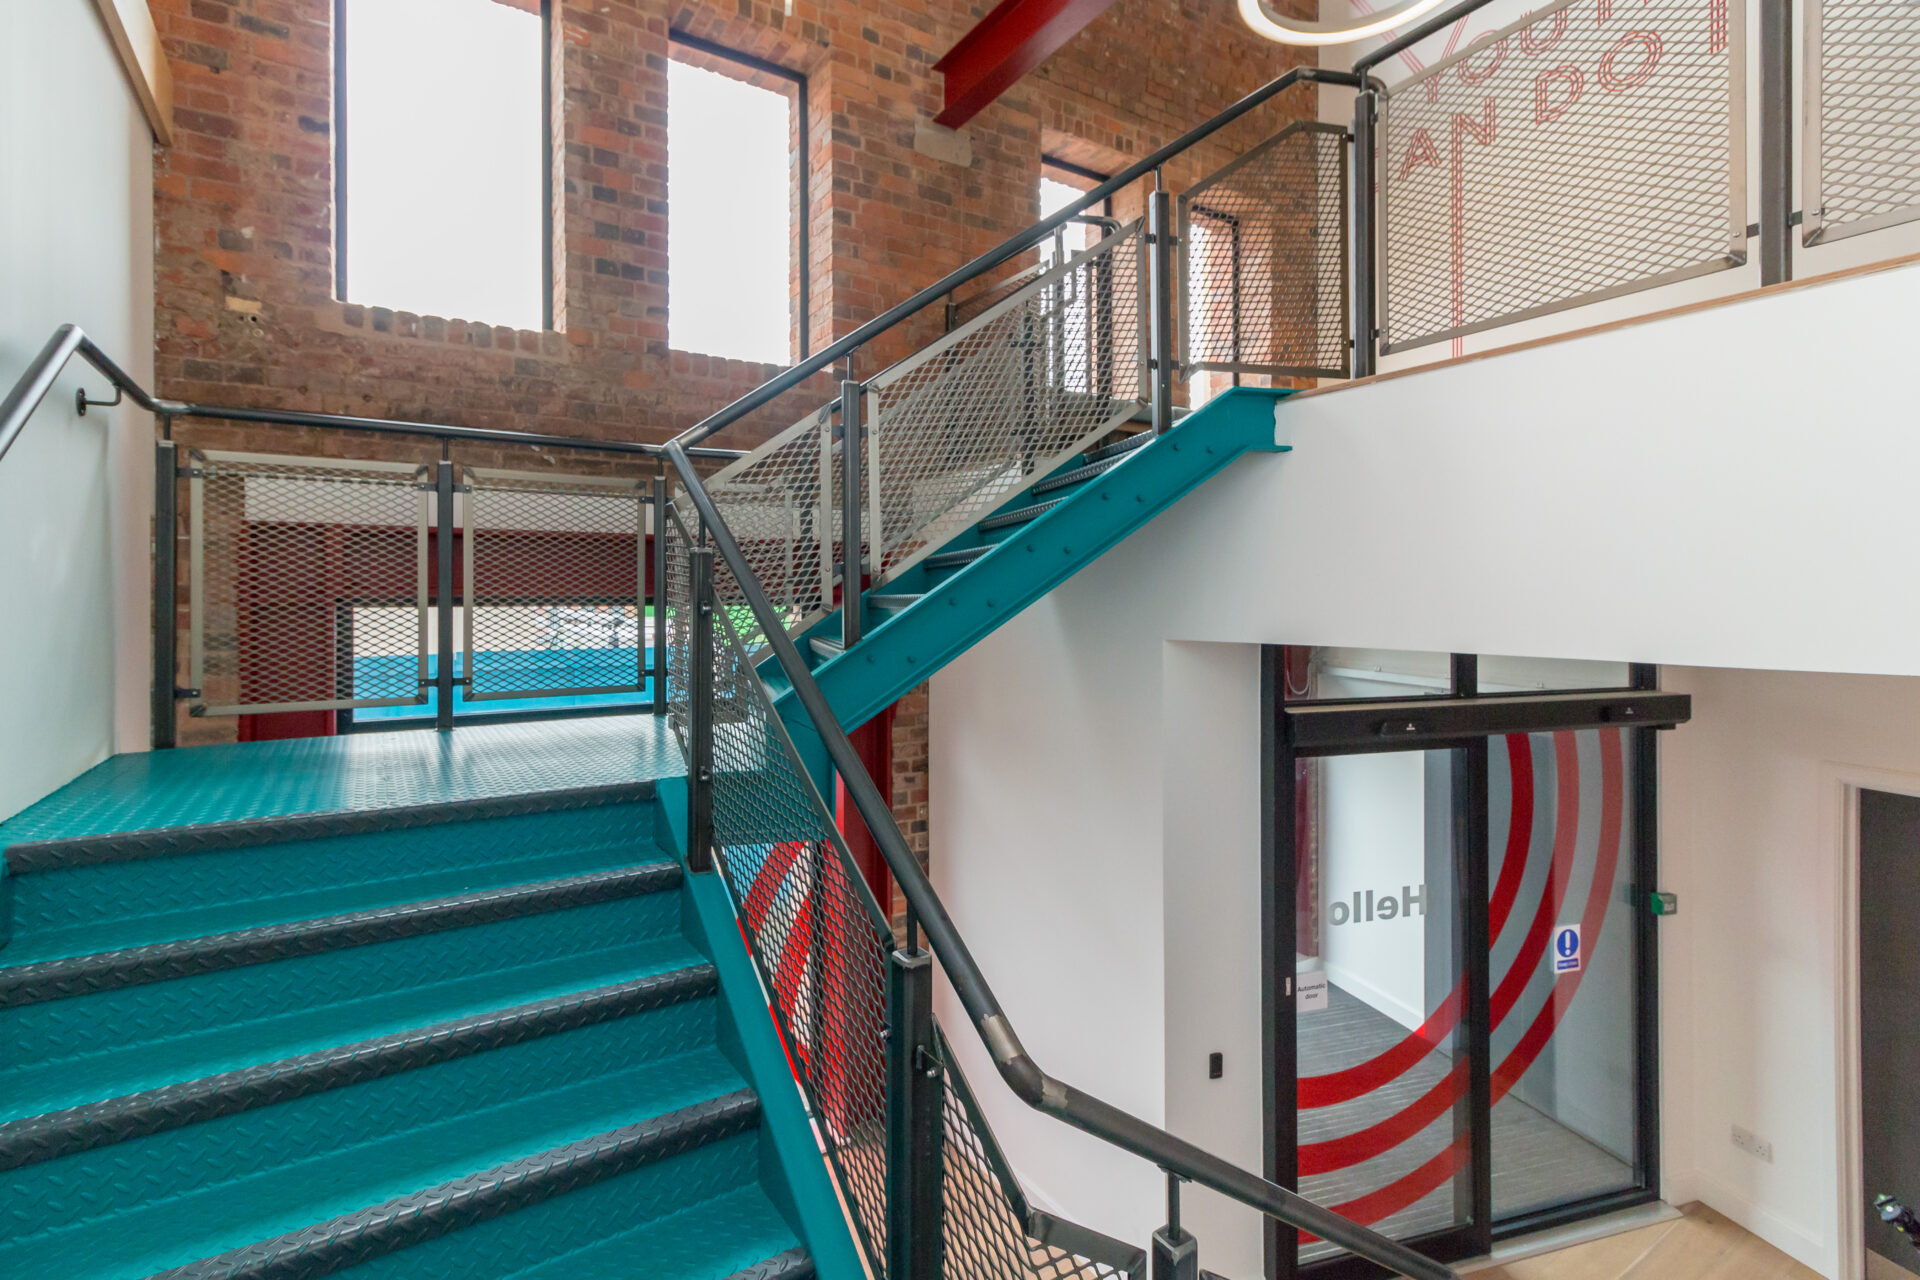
(1461, 721)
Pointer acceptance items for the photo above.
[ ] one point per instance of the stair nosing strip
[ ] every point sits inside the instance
(354, 1238)
(31, 856)
(957, 559)
(211, 953)
(789, 1264)
(1081, 474)
(35, 1139)
(1019, 515)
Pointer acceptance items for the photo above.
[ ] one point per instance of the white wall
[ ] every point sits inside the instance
(1729, 488)
(1751, 839)
(76, 494)
(1373, 813)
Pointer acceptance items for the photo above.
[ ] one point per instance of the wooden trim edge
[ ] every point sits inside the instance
(137, 41)
(1625, 322)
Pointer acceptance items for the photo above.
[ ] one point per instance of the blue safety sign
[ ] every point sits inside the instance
(1566, 949)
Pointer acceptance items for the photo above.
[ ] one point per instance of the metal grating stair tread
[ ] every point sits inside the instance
(1079, 475)
(187, 957)
(735, 1236)
(1018, 516)
(826, 650)
(54, 1134)
(167, 1198)
(432, 1214)
(70, 908)
(79, 1050)
(893, 603)
(1139, 439)
(955, 559)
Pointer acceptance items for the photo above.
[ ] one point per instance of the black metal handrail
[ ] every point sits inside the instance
(1178, 1157)
(69, 340)
(1006, 251)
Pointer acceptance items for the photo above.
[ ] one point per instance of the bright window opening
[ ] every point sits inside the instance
(442, 189)
(730, 234)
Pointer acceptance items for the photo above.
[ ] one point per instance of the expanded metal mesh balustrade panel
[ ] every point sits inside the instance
(821, 945)
(308, 583)
(1591, 149)
(554, 584)
(820, 942)
(676, 626)
(963, 424)
(781, 503)
(1863, 116)
(984, 1235)
(1264, 277)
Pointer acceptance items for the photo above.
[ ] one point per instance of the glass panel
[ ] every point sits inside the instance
(1383, 1066)
(1560, 922)
(1319, 673)
(1546, 675)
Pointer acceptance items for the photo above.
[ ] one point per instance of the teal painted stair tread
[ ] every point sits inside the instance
(714, 1240)
(65, 1052)
(137, 1207)
(601, 1233)
(152, 790)
(79, 904)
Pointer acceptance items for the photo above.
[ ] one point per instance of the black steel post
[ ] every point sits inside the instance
(1160, 302)
(700, 766)
(914, 1089)
(853, 562)
(443, 599)
(166, 590)
(1176, 1254)
(1364, 304)
(1776, 141)
(660, 519)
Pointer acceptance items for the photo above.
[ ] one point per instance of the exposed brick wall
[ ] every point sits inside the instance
(243, 213)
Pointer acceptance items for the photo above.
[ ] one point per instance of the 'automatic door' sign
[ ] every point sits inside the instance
(1566, 949)
(1590, 149)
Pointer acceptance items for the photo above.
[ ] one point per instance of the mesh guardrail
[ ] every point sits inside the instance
(1588, 150)
(554, 584)
(821, 944)
(307, 583)
(1862, 144)
(1263, 281)
(963, 424)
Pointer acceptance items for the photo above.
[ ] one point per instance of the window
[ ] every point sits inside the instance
(443, 166)
(736, 248)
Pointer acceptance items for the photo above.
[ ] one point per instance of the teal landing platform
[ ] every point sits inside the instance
(193, 786)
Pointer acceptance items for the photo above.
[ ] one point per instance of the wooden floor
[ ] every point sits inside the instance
(1699, 1245)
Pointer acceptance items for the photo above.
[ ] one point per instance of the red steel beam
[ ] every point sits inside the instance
(1015, 38)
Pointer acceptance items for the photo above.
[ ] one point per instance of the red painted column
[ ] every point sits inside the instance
(874, 743)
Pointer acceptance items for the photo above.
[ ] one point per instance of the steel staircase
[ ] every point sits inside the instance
(455, 1039)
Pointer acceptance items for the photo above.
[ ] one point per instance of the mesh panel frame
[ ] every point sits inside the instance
(1862, 141)
(521, 639)
(1263, 278)
(1560, 161)
(962, 425)
(287, 557)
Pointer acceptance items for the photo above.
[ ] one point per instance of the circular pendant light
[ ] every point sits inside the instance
(1286, 30)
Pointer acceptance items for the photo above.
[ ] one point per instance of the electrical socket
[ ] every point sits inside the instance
(1754, 1145)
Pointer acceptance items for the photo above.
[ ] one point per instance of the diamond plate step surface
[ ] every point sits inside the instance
(1079, 475)
(501, 1220)
(129, 1038)
(60, 1133)
(1018, 516)
(737, 1233)
(114, 892)
(164, 1199)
